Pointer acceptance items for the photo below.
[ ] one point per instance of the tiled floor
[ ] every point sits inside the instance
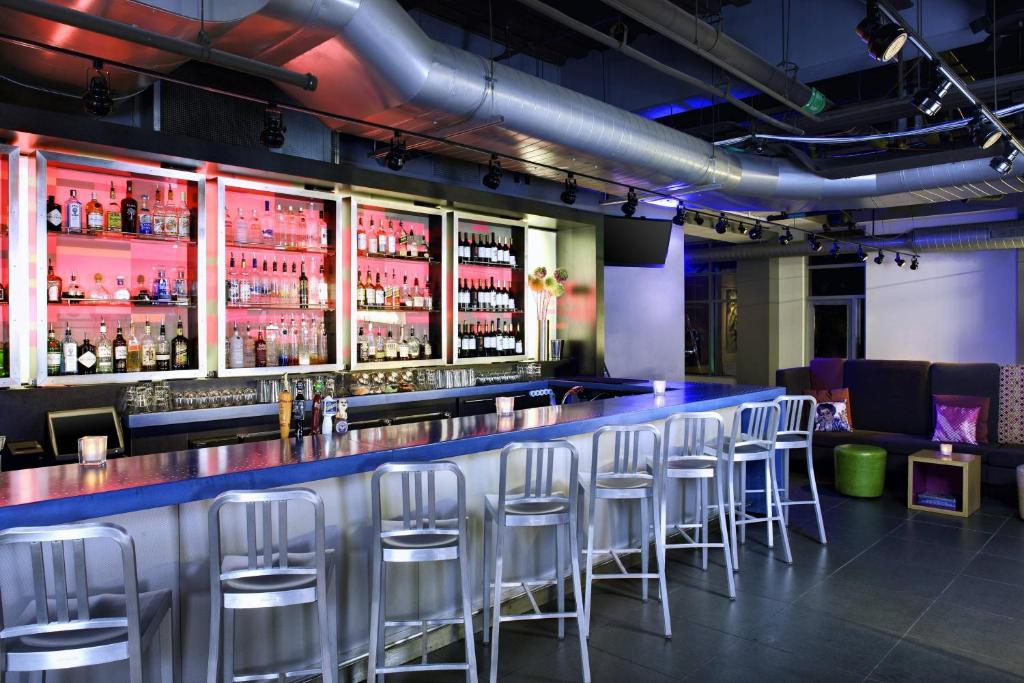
(896, 595)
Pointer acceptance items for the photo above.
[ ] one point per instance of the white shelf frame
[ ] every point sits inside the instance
(17, 270)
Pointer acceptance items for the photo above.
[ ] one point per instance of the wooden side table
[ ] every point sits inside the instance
(955, 477)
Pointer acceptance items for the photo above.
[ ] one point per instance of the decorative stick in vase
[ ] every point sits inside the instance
(546, 288)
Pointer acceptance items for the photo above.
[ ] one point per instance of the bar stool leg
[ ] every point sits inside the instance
(704, 503)
(657, 512)
(732, 518)
(229, 645)
(499, 538)
(467, 610)
(817, 502)
(591, 506)
(167, 658)
(213, 659)
(743, 501)
(584, 628)
(726, 538)
(769, 465)
(486, 631)
(376, 616)
(645, 547)
(778, 502)
(328, 648)
(784, 493)
(560, 576)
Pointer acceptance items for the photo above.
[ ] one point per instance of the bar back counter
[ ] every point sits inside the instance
(163, 500)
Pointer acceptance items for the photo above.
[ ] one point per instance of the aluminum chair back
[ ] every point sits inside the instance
(694, 435)
(754, 428)
(537, 460)
(419, 516)
(51, 550)
(628, 462)
(267, 545)
(796, 421)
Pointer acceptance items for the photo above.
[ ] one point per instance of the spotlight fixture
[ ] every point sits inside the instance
(272, 135)
(755, 232)
(629, 208)
(1003, 163)
(493, 178)
(680, 217)
(881, 257)
(834, 251)
(862, 255)
(721, 225)
(397, 156)
(813, 243)
(698, 218)
(97, 101)
(984, 132)
(741, 227)
(913, 262)
(569, 191)
(899, 260)
(928, 99)
(786, 237)
(884, 39)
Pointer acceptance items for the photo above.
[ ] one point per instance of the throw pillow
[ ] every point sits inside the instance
(832, 395)
(831, 416)
(956, 424)
(980, 402)
(1011, 404)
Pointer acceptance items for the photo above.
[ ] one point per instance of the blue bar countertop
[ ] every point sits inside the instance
(67, 493)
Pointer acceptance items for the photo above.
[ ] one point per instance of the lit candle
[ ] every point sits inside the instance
(92, 451)
(506, 404)
(659, 387)
(946, 448)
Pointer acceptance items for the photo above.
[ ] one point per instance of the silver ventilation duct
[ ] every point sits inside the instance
(374, 62)
(973, 237)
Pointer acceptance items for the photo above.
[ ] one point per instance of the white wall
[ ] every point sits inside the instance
(540, 251)
(644, 318)
(959, 307)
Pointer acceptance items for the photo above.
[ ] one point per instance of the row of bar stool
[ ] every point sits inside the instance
(57, 630)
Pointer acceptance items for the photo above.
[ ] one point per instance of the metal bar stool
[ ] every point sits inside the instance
(698, 457)
(270, 574)
(754, 430)
(628, 480)
(71, 627)
(418, 535)
(796, 430)
(538, 504)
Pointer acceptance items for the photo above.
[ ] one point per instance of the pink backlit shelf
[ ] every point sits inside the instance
(13, 270)
(118, 254)
(294, 247)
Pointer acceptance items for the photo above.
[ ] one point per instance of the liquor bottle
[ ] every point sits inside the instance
(98, 291)
(380, 295)
(402, 242)
(74, 293)
(161, 289)
(321, 224)
(428, 297)
(159, 212)
(260, 350)
(303, 285)
(271, 339)
(134, 351)
(244, 288)
(392, 240)
(301, 233)
(519, 340)
(267, 225)
(360, 290)
(86, 357)
(427, 351)
(417, 294)
(283, 345)
(120, 350)
(142, 295)
(113, 217)
(184, 218)
(360, 238)
(307, 349)
(232, 292)
(403, 345)
(292, 221)
(73, 213)
(266, 287)
(361, 351)
(104, 351)
(293, 341)
(382, 239)
(248, 348)
(147, 348)
(69, 353)
(371, 240)
(130, 211)
(181, 289)
(396, 291)
(293, 287)
(236, 349)
(281, 227)
(163, 350)
(53, 355)
(379, 352)
(229, 224)
(414, 344)
(170, 214)
(94, 215)
(179, 349)
(390, 346)
(145, 217)
(241, 227)
(255, 234)
(54, 285)
(405, 294)
(54, 218)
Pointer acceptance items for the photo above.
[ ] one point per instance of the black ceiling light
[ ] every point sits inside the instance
(1003, 163)
(913, 262)
(397, 156)
(721, 225)
(680, 217)
(899, 260)
(272, 135)
(741, 227)
(755, 232)
(786, 237)
(881, 257)
(984, 132)
(97, 101)
(813, 243)
(834, 251)
(568, 195)
(698, 218)
(493, 177)
(928, 99)
(629, 208)
(862, 255)
(884, 39)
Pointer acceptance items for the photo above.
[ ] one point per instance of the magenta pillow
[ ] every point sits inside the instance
(956, 424)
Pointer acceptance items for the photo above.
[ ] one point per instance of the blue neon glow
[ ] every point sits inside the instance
(660, 111)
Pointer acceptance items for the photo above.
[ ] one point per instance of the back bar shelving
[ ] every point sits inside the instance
(13, 271)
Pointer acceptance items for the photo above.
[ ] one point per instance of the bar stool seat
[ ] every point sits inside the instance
(520, 512)
(687, 467)
(153, 605)
(419, 541)
(273, 583)
(636, 482)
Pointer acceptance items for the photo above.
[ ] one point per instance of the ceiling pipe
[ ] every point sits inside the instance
(646, 60)
(686, 30)
(972, 237)
(134, 34)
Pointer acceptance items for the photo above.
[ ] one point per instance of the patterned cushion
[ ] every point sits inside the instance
(832, 395)
(956, 424)
(831, 417)
(979, 402)
(1011, 404)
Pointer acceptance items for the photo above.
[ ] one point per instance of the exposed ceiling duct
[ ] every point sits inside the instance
(376, 63)
(1008, 235)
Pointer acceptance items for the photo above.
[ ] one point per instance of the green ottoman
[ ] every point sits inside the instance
(860, 470)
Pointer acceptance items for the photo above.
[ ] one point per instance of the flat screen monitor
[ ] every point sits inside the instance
(66, 427)
(635, 241)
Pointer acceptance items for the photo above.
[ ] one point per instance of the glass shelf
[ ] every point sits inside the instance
(494, 311)
(404, 309)
(120, 302)
(488, 264)
(291, 249)
(396, 257)
(121, 237)
(276, 307)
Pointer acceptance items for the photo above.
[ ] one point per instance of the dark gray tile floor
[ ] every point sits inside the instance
(896, 595)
